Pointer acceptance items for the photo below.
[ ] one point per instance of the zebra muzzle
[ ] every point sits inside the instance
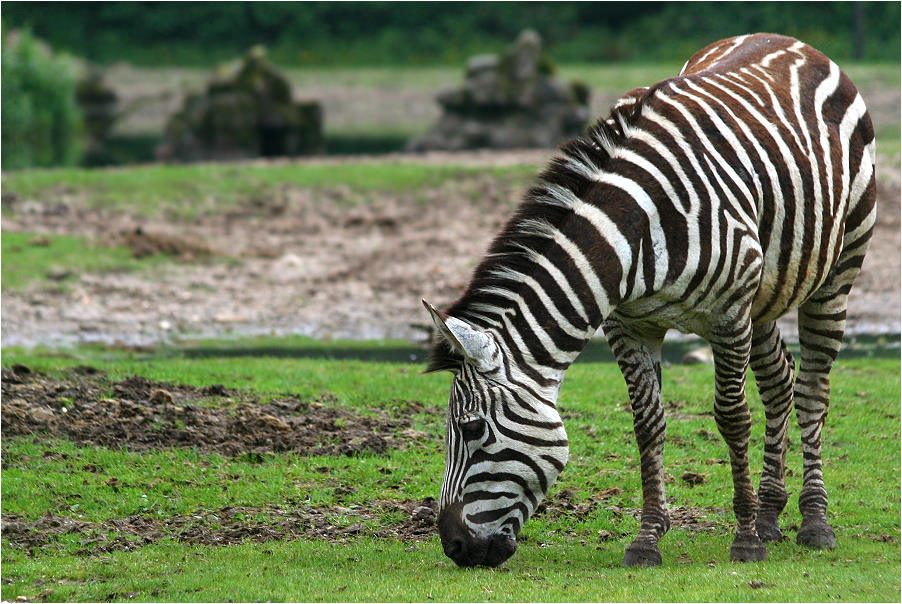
(467, 549)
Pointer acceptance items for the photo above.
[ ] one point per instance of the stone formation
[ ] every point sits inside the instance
(246, 111)
(511, 101)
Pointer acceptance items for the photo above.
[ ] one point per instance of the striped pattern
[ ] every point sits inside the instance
(713, 202)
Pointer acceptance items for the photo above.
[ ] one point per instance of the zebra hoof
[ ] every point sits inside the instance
(642, 554)
(768, 530)
(816, 534)
(748, 548)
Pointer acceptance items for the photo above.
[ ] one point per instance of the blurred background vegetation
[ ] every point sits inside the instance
(41, 120)
(426, 33)
(375, 67)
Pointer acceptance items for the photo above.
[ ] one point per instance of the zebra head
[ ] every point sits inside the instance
(505, 446)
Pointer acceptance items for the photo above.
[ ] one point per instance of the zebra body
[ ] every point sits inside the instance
(713, 202)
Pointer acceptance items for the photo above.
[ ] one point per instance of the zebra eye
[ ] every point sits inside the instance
(472, 429)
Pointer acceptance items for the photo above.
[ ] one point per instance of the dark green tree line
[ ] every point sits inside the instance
(389, 33)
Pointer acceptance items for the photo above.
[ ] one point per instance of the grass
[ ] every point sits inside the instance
(29, 258)
(389, 571)
(560, 558)
(616, 77)
(189, 189)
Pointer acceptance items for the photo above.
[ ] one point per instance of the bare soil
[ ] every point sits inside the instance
(88, 408)
(328, 263)
(338, 523)
(230, 526)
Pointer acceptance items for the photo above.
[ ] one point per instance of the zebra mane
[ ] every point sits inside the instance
(546, 204)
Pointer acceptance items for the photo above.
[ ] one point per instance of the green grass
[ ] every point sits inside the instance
(617, 77)
(888, 143)
(188, 189)
(29, 258)
(369, 570)
(862, 466)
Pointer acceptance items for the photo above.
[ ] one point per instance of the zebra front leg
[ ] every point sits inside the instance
(731, 411)
(773, 366)
(640, 363)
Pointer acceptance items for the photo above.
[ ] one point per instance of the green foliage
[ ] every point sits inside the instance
(41, 121)
(387, 33)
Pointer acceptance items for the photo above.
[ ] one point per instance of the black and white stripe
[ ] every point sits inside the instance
(713, 202)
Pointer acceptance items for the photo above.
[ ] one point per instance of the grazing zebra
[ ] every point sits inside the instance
(712, 202)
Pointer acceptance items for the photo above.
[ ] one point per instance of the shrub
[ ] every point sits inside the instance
(40, 118)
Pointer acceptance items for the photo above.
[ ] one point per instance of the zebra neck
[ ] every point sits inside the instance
(541, 332)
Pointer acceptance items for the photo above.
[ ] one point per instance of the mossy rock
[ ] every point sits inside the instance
(247, 111)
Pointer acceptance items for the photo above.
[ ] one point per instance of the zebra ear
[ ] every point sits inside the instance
(474, 344)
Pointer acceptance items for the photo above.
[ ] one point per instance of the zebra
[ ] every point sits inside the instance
(713, 202)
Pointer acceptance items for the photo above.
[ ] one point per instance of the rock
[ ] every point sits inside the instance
(693, 478)
(699, 356)
(274, 422)
(508, 102)
(57, 273)
(246, 111)
(161, 397)
(479, 63)
(40, 415)
(423, 512)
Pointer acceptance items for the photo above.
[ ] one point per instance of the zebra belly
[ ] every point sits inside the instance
(657, 316)
(780, 291)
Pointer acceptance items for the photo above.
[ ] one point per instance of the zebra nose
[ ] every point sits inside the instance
(467, 550)
(454, 535)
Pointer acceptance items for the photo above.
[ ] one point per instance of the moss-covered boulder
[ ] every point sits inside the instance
(246, 111)
(508, 101)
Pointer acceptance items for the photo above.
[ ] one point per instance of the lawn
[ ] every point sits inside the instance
(185, 190)
(570, 552)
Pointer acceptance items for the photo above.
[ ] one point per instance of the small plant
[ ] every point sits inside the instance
(41, 121)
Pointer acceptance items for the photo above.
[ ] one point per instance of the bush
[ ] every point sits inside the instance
(40, 118)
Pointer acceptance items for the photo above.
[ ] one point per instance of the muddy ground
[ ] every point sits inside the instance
(339, 523)
(329, 263)
(89, 408)
(137, 414)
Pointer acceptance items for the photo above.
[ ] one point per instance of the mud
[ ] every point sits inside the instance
(143, 243)
(137, 414)
(338, 524)
(566, 504)
(230, 526)
(328, 263)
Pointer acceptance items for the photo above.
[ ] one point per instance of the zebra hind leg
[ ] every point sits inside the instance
(821, 325)
(731, 411)
(773, 366)
(822, 322)
(640, 364)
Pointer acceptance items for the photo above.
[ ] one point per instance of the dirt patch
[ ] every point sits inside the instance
(328, 263)
(565, 504)
(148, 243)
(138, 414)
(231, 526)
(411, 521)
